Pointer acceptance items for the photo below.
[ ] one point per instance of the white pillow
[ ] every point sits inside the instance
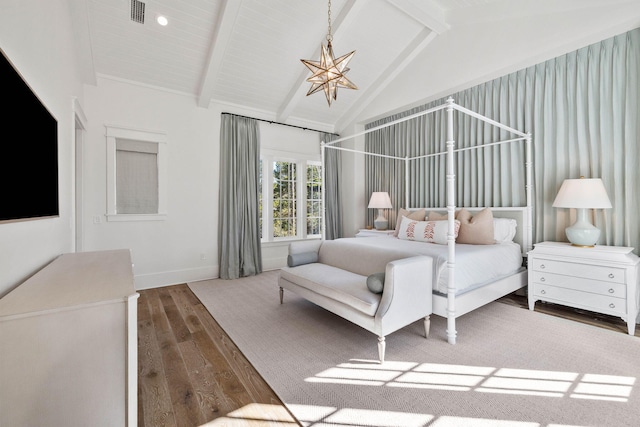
(504, 229)
(425, 231)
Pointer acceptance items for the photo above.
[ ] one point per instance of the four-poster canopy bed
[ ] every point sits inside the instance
(456, 302)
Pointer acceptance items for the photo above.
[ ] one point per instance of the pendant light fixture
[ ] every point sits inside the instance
(329, 72)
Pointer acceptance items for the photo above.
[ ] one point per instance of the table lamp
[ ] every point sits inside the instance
(380, 200)
(582, 194)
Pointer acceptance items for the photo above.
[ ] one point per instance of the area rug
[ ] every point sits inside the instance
(510, 366)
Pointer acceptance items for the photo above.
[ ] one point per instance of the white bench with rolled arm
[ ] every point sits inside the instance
(335, 278)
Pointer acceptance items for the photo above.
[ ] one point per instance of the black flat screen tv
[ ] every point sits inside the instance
(28, 151)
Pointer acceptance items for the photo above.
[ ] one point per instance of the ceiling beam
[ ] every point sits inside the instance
(299, 89)
(82, 41)
(406, 56)
(227, 17)
(426, 12)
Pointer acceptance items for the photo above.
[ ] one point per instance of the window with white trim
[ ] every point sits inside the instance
(136, 175)
(291, 198)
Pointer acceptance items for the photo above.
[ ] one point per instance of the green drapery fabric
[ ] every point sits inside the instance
(239, 223)
(582, 111)
(332, 183)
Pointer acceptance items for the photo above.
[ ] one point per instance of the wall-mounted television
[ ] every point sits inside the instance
(28, 151)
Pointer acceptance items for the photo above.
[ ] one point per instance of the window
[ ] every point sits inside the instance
(284, 199)
(314, 199)
(136, 175)
(291, 198)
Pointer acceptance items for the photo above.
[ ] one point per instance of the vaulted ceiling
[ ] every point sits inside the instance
(247, 52)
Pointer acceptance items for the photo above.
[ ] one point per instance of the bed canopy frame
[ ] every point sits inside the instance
(450, 106)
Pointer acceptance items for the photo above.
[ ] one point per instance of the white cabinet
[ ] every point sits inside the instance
(602, 279)
(68, 344)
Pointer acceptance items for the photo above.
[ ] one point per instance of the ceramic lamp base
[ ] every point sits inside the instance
(582, 233)
(381, 222)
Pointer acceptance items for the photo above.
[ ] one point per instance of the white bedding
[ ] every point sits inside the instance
(475, 265)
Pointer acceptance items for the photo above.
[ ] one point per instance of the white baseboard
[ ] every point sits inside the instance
(273, 263)
(176, 277)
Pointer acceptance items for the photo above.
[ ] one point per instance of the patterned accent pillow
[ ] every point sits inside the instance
(426, 231)
(418, 215)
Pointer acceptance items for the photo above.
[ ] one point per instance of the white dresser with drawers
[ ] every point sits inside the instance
(69, 346)
(602, 279)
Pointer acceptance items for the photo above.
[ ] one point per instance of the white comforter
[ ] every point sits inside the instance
(475, 265)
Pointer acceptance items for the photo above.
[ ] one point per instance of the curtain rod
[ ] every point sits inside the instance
(282, 124)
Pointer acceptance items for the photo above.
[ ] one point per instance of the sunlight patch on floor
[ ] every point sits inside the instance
(448, 421)
(258, 414)
(320, 416)
(481, 379)
(324, 416)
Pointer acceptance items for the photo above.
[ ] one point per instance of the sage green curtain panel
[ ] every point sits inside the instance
(582, 111)
(239, 223)
(332, 183)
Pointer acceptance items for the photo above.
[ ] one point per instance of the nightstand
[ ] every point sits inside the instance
(602, 279)
(374, 233)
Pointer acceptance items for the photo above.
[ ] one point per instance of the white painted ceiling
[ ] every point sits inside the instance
(247, 53)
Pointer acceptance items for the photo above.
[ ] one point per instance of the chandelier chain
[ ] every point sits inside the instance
(329, 36)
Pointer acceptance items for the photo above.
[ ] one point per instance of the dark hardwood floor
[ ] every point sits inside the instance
(191, 374)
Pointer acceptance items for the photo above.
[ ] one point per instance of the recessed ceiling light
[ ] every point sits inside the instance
(162, 20)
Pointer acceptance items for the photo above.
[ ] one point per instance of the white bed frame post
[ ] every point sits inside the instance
(451, 238)
(528, 235)
(406, 182)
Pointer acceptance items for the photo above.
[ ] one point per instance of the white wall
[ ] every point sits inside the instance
(171, 251)
(184, 246)
(37, 38)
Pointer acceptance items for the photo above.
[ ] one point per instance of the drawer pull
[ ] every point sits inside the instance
(543, 292)
(611, 291)
(612, 305)
(542, 279)
(611, 276)
(542, 266)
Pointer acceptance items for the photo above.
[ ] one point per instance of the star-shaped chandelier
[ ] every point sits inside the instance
(329, 72)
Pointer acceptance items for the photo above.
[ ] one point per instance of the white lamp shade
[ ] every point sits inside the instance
(582, 193)
(380, 200)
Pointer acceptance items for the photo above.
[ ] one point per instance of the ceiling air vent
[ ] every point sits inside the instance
(137, 11)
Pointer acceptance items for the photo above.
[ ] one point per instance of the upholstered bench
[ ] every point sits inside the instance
(335, 277)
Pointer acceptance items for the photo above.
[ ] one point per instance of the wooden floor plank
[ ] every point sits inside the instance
(258, 390)
(183, 399)
(176, 321)
(207, 377)
(211, 399)
(155, 407)
(185, 302)
(221, 389)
